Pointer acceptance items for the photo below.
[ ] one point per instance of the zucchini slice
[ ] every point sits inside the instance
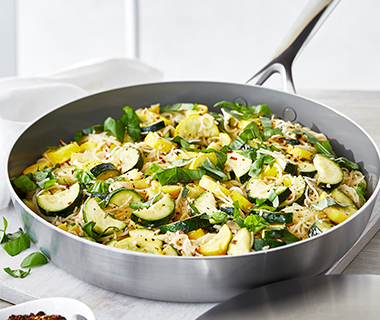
(241, 243)
(306, 169)
(257, 189)
(237, 163)
(120, 196)
(205, 203)
(299, 189)
(287, 166)
(187, 225)
(158, 214)
(318, 227)
(330, 175)
(278, 217)
(140, 244)
(262, 244)
(127, 158)
(141, 232)
(105, 171)
(61, 203)
(153, 127)
(169, 250)
(104, 223)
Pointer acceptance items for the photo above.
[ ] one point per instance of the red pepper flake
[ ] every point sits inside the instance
(229, 151)
(158, 118)
(243, 159)
(70, 202)
(163, 161)
(234, 241)
(139, 220)
(181, 232)
(233, 158)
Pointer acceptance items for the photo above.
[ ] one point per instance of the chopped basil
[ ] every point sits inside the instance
(310, 138)
(219, 217)
(213, 171)
(33, 260)
(175, 175)
(115, 127)
(17, 273)
(237, 216)
(362, 192)
(268, 131)
(153, 169)
(181, 162)
(251, 131)
(327, 202)
(242, 112)
(131, 120)
(2, 232)
(257, 165)
(15, 243)
(178, 107)
(89, 229)
(145, 205)
(184, 143)
(255, 223)
(24, 183)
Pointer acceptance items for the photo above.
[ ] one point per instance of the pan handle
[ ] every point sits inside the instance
(296, 39)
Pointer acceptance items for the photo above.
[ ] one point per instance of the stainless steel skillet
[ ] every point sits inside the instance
(195, 279)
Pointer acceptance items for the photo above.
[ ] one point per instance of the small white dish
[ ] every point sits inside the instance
(65, 307)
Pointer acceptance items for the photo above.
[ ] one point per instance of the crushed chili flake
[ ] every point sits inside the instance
(233, 158)
(181, 232)
(234, 241)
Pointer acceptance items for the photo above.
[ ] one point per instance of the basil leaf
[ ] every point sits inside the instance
(175, 175)
(185, 192)
(115, 127)
(17, 273)
(2, 232)
(290, 237)
(251, 132)
(255, 223)
(327, 202)
(178, 107)
(362, 192)
(343, 162)
(213, 171)
(132, 121)
(325, 149)
(310, 138)
(245, 112)
(219, 217)
(24, 183)
(237, 216)
(153, 169)
(89, 229)
(33, 260)
(185, 143)
(13, 246)
(182, 162)
(268, 131)
(145, 205)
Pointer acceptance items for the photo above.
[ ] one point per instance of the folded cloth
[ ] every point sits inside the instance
(23, 100)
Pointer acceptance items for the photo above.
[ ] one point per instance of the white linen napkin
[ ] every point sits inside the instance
(23, 100)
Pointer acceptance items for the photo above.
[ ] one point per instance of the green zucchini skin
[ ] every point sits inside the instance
(53, 205)
(157, 215)
(256, 189)
(278, 217)
(169, 250)
(105, 171)
(120, 196)
(319, 227)
(128, 158)
(153, 127)
(259, 243)
(187, 225)
(330, 175)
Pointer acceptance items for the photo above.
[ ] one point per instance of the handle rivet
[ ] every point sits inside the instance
(241, 101)
(289, 114)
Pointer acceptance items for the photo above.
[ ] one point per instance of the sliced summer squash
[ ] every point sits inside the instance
(192, 127)
(140, 244)
(218, 245)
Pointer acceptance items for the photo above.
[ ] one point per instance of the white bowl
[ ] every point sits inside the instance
(65, 307)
